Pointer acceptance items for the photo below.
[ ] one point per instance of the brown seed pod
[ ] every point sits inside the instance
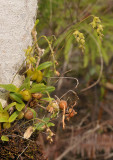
(63, 104)
(37, 95)
(72, 112)
(50, 108)
(57, 73)
(28, 114)
(33, 103)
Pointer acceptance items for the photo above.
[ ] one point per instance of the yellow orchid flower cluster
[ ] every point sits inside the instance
(96, 24)
(80, 39)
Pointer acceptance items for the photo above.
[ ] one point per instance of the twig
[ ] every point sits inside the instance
(41, 106)
(68, 78)
(23, 151)
(18, 71)
(27, 104)
(109, 156)
(39, 50)
(108, 86)
(63, 118)
(51, 49)
(68, 92)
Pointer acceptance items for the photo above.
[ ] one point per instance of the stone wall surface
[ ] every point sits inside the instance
(16, 22)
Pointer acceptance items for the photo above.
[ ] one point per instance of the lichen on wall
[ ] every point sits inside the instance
(16, 22)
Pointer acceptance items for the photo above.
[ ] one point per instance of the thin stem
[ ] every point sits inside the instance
(18, 71)
(51, 49)
(39, 50)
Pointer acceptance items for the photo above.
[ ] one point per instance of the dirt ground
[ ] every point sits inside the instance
(18, 148)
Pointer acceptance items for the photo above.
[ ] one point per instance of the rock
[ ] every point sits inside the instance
(16, 22)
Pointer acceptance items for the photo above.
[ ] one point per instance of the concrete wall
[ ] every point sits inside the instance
(16, 22)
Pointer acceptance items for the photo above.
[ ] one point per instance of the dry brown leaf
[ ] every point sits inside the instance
(28, 132)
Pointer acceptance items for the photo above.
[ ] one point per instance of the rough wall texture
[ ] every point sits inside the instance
(16, 22)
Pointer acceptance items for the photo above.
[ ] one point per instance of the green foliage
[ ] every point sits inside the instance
(41, 88)
(20, 106)
(48, 72)
(44, 123)
(9, 106)
(36, 22)
(35, 90)
(16, 97)
(3, 119)
(4, 116)
(48, 99)
(35, 83)
(49, 89)
(1, 108)
(9, 87)
(13, 117)
(62, 22)
(4, 138)
(41, 125)
(67, 49)
(44, 65)
(25, 85)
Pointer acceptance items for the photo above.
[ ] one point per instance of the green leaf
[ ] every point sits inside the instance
(26, 84)
(48, 99)
(46, 119)
(54, 115)
(9, 87)
(16, 97)
(105, 56)
(102, 89)
(1, 108)
(40, 126)
(13, 116)
(49, 89)
(68, 45)
(47, 72)
(19, 106)
(27, 80)
(36, 22)
(42, 88)
(45, 65)
(38, 88)
(86, 56)
(3, 119)
(33, 84)
(9, 106)
(4, 138)
(50, 124)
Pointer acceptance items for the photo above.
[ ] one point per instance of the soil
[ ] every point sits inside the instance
(18, 148)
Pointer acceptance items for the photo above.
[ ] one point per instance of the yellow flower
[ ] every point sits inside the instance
(80, 39)
(96, 24)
